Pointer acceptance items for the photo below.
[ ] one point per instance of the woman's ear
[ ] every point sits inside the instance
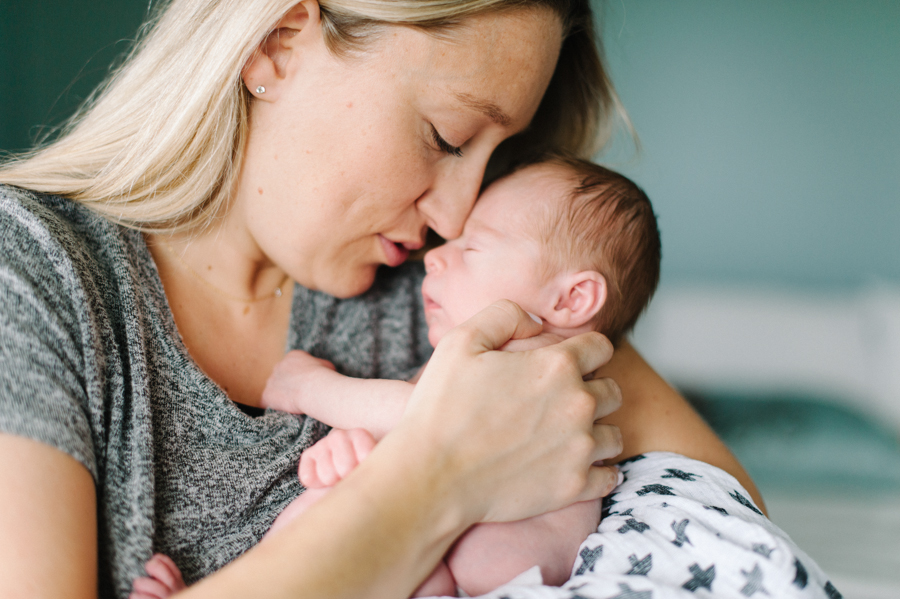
(268, 68)
(579, 298)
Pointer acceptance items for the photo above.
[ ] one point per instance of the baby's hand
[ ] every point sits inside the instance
(334, 457)
(163, 579)
(292, 380)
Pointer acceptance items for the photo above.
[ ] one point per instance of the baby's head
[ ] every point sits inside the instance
(567, 240)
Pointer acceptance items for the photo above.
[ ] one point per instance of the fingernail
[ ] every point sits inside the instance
(620, 479)
(535, 318)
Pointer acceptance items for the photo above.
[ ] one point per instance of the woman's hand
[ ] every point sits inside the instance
(515, 432)
(487, 436)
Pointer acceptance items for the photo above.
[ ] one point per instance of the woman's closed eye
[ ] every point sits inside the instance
(443, 145)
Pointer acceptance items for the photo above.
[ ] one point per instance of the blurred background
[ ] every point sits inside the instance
(770, 136)
(770, 147)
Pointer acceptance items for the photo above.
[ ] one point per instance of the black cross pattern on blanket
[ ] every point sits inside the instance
(680, 537)
(589, 557)
(697, 577)
(640, 567)
(700, 578)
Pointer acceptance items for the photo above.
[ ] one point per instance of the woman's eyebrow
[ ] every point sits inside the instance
(489, 109)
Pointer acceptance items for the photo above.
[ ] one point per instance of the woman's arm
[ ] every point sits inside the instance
(513, 438)
(48, 523)
(654, 417)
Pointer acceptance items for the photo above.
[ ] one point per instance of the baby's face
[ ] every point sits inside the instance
(496, 257)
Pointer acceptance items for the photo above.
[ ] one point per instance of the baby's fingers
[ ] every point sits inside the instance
(163, 579)
(162, 568)
(148, 588)
(312, 461)
(348, 449)
(363, 443)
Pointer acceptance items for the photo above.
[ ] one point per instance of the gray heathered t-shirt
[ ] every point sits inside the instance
(91, 363)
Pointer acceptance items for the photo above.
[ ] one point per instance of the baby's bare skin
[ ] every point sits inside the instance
(498, 256)
(487, 556)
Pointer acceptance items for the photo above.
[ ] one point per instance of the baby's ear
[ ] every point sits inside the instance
(268, 68)
(579, 298)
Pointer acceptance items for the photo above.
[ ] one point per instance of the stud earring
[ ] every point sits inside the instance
(260, 90)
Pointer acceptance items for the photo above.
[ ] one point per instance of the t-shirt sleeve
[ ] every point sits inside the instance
(42, 387)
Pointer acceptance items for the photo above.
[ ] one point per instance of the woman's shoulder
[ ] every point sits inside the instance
(50, 234)
(44, 229)
(33, 212)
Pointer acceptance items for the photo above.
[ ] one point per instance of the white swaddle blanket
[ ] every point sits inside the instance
(679, 528)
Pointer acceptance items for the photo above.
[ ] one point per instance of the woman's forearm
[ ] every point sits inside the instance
(378, 535)
(655, 417)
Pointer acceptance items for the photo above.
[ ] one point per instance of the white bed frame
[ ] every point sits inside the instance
(842, 347)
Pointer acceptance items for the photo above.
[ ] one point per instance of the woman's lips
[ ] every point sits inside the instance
(395, 254)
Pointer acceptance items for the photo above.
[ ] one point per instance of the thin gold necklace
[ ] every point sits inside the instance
(274, 295)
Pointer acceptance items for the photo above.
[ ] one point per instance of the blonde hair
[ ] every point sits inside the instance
(159, 146)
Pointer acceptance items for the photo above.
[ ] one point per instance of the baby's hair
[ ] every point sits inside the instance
(606, 223)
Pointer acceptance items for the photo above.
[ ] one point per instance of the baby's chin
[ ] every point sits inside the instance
(435, 335)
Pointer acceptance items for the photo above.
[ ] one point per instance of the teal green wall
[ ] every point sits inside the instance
(771, 135)
(53, 53)
(770, 129)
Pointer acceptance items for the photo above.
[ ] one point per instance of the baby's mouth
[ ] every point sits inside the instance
(429, 303)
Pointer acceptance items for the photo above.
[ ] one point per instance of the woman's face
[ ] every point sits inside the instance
(350, 160)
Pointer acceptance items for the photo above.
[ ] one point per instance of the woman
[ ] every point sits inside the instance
(242, 146)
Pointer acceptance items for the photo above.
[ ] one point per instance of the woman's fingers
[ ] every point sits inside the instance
(590, 351)
(601, 481)
(498, 323)
(608, 441)
(608, 395)
(514, 422)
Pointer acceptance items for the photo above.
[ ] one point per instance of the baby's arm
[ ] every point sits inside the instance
(303, 384)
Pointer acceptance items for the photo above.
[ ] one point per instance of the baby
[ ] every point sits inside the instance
(571, 242)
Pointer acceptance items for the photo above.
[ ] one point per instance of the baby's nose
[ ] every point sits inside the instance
(433, 261)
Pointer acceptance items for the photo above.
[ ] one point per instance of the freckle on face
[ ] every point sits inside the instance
(259, 190)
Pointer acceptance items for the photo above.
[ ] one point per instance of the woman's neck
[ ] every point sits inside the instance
(225, 259)
(230, 304)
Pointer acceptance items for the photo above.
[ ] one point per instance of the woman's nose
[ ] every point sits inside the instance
(448, 203)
